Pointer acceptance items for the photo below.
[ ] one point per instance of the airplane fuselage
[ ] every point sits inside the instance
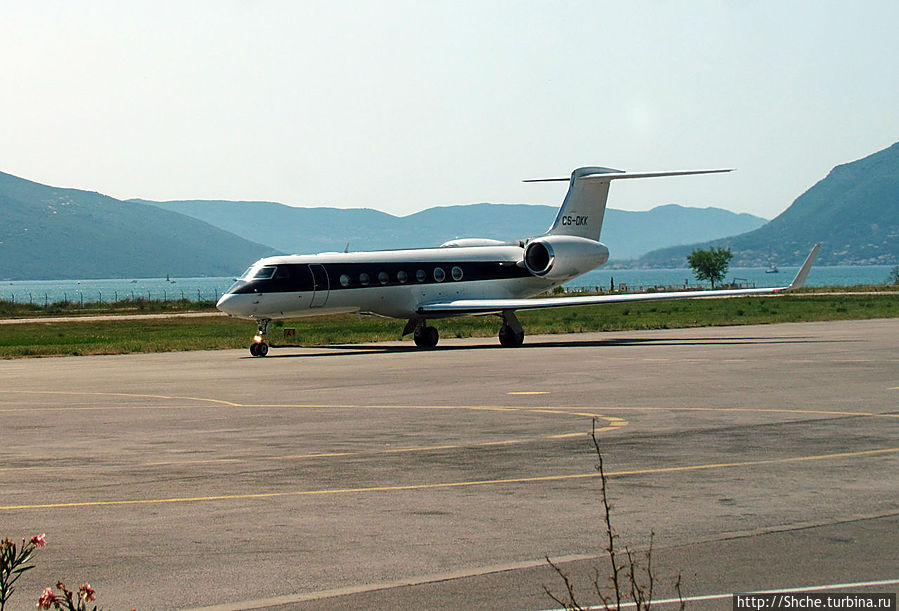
(388, 283)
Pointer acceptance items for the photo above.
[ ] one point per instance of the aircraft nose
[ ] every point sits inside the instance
(239, 305)
(229, 304)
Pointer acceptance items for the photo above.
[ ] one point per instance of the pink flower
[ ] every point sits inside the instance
(38, 540)
(87, 593)
(47, 600)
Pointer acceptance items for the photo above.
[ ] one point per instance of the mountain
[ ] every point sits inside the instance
(854, 211)
(311, 230)
(53, 233)
(631, 234)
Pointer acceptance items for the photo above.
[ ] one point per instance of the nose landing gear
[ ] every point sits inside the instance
(259, 347)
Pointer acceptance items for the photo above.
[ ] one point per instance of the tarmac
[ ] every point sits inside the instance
(383, 476)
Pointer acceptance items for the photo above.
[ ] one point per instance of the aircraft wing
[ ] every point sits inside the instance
(487, 306)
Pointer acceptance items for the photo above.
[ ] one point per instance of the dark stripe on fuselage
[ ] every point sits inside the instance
(297, 277)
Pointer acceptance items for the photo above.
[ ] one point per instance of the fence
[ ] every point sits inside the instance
(96, 296)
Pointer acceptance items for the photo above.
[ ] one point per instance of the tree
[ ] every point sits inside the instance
(710, 264)
(894, 276)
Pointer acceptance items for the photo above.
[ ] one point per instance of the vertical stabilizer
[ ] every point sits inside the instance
(584, 207)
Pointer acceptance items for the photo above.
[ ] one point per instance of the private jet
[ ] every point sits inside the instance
(469, 276)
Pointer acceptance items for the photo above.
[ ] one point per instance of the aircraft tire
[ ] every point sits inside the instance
(509, 338)
(426, 337)
(253, 349)
(261, 349)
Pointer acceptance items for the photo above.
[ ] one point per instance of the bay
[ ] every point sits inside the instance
(211, 288)
(109, 290)
(642, 279)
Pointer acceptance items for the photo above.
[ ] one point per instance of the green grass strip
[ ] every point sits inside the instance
(216, 332)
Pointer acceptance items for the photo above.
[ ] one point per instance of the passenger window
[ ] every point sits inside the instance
(364, 280)
(344, 280)
(457, 273)
(402, 277)
(439, 274)
(421, 276)
(383, 278)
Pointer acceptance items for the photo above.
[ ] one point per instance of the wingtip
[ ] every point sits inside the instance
(802, 274)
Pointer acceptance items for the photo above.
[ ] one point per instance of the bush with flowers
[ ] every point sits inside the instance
(15, 560)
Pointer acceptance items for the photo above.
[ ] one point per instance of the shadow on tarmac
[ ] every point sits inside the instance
(359, 349)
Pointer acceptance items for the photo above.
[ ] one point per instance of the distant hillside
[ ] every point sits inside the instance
(52, 233)
(311, 230)
(854, 211)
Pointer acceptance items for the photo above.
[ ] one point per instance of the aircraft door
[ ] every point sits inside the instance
(320, 285)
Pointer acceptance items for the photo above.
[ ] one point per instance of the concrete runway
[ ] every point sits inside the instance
(380, 476)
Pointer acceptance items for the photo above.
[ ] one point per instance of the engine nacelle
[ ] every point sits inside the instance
(562, 256)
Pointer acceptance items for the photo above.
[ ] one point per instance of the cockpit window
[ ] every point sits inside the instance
(265, 273)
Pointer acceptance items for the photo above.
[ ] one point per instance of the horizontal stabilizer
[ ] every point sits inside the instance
(615, 174)
(584, 207)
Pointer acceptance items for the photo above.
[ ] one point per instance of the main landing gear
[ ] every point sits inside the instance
(511, 334)
(259, 347)
(425, 337)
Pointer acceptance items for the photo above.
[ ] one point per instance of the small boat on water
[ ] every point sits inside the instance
(772, 269)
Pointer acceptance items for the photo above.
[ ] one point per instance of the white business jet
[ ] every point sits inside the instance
(461, 277)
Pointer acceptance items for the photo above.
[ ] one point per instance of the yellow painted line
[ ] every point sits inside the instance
(419, 449)
(205, 461)
(163, 463)
(319, 455)
(411, 487)
(613, 424)
(760, 410)
(529, 392)
(555, 410)
(122, 394)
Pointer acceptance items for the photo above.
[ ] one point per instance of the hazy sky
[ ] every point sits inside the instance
(400, 106)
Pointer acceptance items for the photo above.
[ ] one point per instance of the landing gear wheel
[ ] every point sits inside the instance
(259, 347)
(509, 338)
(426, 337)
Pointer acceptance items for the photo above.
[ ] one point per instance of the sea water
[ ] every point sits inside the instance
(109, 290)
(640, 279)
(210, 289)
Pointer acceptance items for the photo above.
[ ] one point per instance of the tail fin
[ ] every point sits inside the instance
(584, 207)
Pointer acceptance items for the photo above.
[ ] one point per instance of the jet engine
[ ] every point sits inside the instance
(562, 256)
